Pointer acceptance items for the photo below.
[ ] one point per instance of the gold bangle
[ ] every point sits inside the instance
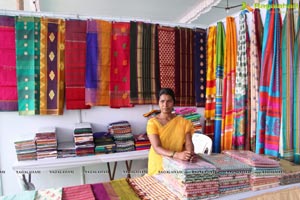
(173, 154)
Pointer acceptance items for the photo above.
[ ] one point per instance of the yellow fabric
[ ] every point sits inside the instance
(172, 137)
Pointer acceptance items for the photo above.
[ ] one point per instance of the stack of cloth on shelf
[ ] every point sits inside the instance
(66, 149)
(104, 143)
(122, 135)
(148, 187)
(291, 172)
(190, 180)
(142, 142)
(265, 172)
(234, 176)
(25, 149)
(46, 143)
(190, 113)
(83, 137)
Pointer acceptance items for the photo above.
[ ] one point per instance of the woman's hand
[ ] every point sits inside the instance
(184, 155)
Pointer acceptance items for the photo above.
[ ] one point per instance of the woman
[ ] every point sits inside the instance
(169, 135)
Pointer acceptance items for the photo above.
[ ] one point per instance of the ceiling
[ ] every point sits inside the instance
(161, 11)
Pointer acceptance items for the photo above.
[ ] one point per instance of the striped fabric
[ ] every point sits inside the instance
(219, 86)
(166, 49)
(52, 73)
(210, 104)
(26, 62)
(80, 192)
(269, 113)
(199, 51)
(75, 61)
(8, 82)
(229, 84)
(296, 73)
(241, 88)
(120, 65)
(255, 58)
(143, 80)
(184, 70)
(287, 46)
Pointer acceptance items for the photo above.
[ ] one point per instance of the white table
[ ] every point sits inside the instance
(27, 167)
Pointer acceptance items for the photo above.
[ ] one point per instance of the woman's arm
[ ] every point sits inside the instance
(189, 146)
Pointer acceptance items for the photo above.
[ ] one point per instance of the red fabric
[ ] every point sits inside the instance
(8, 78)
(120, 65)
(80, 192)
(75, 63)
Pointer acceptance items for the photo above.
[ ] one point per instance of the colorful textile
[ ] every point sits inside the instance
(92, 60)
(184, 69)
(210, 104)
(104, 61)
(240, 134)
(219, 86)
(199, 51)
(177, 126)
(100, 192)
(269, 114)
(49, 194)
(296, 72)
(147, 187)
(27, 39)
(123, 189)
(75, 61)
(110, 191)
(255, 58)
(52, 73)
(229, 84)
(287, 46)
(166, 49)
(143, 80)
(79, 192)
(120, 65)
(8, 79)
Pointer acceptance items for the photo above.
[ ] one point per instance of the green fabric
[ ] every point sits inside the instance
(123, 190)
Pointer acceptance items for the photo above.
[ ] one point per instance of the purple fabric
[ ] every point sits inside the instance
(100, 192)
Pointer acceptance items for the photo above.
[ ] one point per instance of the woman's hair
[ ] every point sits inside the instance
(167, 91)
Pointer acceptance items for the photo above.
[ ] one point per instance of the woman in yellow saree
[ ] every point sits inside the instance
(170, 135)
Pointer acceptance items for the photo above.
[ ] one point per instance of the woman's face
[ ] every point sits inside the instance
(166, 103)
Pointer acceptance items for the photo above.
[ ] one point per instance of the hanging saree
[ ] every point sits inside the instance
(184, 69)
(104, 62)
(120, 65)
(269, 113)
(219, 86)
(241, 88)
(8, 82)
(296, 104)
(27, 35)
(166, 49)
(199, 55)
(142, 63)
(75, 61)
(52, 73)
(229, 84)
(287, 46)
(255, 58)
(92, 60)
(210, 104)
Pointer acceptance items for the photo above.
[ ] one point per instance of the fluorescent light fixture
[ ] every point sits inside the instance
(202, 7)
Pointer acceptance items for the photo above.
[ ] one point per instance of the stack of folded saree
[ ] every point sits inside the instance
(122, 134)
(25, 149)
(66, 149)
(190, 113)
(141, 142)
(265, 172)
(291, 172)
(46, 143)
(190, 180)
(234, 176)
(83, 137)
(104, 143)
